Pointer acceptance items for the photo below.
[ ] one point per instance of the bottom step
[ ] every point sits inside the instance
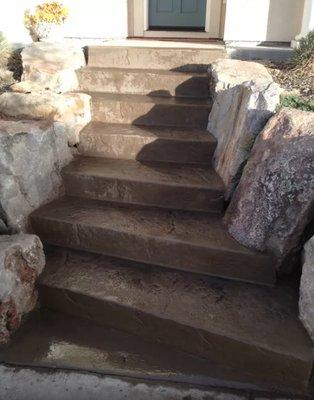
(250, 334)
(57, 341)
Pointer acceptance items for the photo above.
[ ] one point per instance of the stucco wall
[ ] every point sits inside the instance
(246, 20)
(88, 19)
(263, 20)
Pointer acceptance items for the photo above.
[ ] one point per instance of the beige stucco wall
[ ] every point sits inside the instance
(263, 20)
(88, 19)
(246, 20)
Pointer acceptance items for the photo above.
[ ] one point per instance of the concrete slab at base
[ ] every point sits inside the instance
(49, 384)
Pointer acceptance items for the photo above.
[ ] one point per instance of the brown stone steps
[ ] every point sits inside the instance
(150, 110)
(146, 82)
(58, 341)
(177, 59)
(186, 146)
(188, 241)
(170, 186)
(246, 333)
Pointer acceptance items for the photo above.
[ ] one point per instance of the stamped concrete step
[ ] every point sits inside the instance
(245, 333)
(189, 241)
(178, 59)
(150, 110)
(55, 341)
(170, 186)
(147, 82)
(142, 143)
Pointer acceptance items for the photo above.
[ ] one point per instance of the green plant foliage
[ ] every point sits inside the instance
(294, 101)
(305, 51)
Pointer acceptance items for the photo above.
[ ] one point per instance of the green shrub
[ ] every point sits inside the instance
(294, 101)
(305, 51)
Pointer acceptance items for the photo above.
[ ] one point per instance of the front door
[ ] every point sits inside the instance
(177, 14)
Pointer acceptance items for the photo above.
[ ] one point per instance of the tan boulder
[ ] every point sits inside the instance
(244, 98)
(274, 200)
(52, 65)
(22, 259)
(70, 111)
(32, 154)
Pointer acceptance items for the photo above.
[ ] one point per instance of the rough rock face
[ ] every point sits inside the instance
(32, 154)
(52, 65)
(244, 98)
(70, 111)
(306, 303)
(21, 261)
(274, 200)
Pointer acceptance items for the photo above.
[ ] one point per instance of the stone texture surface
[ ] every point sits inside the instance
(188, 241)
(52, 65)
(21, 261)
(151, 184)
(32, 154)
(274, 200)
(306, 303)
(244, 98)
(233, 325)
(70, 112)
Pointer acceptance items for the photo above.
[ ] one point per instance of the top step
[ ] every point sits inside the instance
(171, 59)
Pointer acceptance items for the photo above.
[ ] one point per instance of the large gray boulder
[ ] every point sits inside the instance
(52, 65)
(21, 261)
(306, 302)
(274, 200)
(244, 98)
(32, 154)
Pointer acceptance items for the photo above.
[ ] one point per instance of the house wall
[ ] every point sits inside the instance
(90, 19)
(246, 20)
(263, 20)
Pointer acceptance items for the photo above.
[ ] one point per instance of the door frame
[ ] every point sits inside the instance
(138, 11)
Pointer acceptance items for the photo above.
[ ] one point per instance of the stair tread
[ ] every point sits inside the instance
(144, 71)
(54, 340)
(260, 316)
(181, 134)
(189, 227)
(160, 100)
(150, 172)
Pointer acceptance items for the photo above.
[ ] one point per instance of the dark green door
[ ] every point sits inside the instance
(177, 14)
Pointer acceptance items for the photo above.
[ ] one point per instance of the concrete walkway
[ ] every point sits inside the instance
(29, 384)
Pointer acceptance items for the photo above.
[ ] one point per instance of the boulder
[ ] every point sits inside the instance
(273, 202)
(32, 154)
(306, 302)
(21, 261)
(70, 111)
(244, 98)
(52, 65)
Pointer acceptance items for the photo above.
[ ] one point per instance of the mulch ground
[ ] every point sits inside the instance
(294, 78)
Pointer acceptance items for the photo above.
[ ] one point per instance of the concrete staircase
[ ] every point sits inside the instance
(138, 242)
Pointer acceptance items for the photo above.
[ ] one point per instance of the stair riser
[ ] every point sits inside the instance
(161, 251)
(145, 149)
(149, 114)
(143, 193)
(186, 60)
(235, 361)
(144, 83)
